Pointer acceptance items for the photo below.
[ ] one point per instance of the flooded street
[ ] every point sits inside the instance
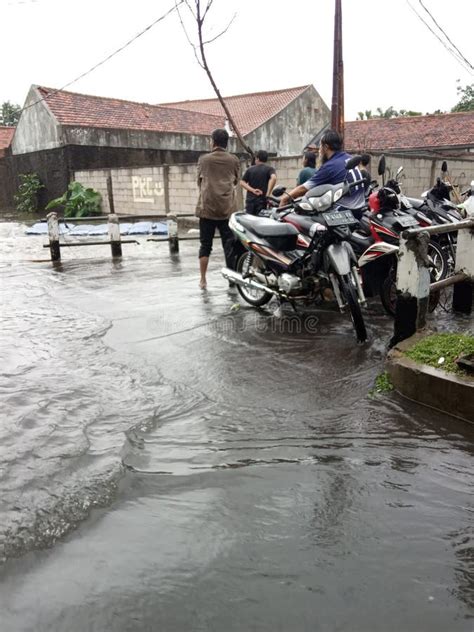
(174, 460)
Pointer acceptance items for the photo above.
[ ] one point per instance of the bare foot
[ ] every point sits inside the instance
(203, 284)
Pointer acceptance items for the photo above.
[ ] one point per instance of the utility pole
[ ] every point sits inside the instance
(337, 106)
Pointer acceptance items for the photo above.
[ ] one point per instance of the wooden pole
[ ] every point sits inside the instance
(110, 194)
(173, 239)
(413, 286)
(337, 105)
(114, 235)
(53, 234)
(462, 292)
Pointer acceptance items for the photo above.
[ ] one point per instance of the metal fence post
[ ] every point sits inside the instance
(173, 239)
(53, 234)
(462, 291)
(114, 235)
(413, 286)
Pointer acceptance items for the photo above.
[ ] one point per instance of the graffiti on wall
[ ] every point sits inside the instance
(146, 189)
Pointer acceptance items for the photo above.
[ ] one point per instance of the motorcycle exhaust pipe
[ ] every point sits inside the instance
(236, 277)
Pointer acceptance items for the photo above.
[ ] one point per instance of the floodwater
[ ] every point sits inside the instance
(173, 460)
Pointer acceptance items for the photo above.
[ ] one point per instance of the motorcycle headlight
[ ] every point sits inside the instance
(338, 195)
(305, 206)
(322, 203)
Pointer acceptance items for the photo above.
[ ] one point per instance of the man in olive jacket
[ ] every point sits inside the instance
(218, 175)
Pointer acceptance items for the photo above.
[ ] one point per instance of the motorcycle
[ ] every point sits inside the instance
(275, 264)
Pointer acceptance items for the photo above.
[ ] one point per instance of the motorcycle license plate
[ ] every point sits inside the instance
(339, 218)
(407, 221)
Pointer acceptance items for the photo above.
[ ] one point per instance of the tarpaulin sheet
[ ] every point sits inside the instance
(84, 230)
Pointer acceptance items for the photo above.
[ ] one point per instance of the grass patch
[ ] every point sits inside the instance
(383, 384)
(432, 349)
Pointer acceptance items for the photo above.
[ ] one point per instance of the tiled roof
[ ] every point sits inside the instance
(249, 111)
(6, 135)
(412, 132)
(83, 110)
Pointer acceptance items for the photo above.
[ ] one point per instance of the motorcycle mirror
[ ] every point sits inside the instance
(444, 166)
(399, 170)
(277, 191)
(381, 165)
(353, 162)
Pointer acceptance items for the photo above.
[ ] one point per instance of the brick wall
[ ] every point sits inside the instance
(155, 190)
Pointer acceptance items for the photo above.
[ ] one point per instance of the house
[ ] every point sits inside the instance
(280, 121)
(6, 135)
(434, 134)
(60, 132)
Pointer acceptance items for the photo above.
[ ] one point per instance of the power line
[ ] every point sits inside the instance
(455, 55)
(446, 36)
(87, 72)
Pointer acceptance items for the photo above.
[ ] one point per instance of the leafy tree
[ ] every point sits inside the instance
(26, 198)
(466, 103)
(9, 114)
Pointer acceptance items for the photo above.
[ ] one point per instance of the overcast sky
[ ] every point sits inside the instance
(390, 56)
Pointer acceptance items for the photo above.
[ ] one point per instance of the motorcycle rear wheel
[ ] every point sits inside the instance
(388, 295)
(252, 296)
(440, 261)
(349, 292)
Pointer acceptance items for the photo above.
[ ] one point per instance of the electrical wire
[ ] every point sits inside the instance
(451, 51)
(446, 36)
(87, 72)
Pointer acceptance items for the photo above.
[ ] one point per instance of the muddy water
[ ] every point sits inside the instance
(172, 460)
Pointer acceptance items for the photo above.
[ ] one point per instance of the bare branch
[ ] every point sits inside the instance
(186, 32)
(222, 32)
(209, 5)
(205, 65)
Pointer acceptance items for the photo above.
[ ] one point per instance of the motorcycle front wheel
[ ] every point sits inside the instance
(349, 293)
(246, 262)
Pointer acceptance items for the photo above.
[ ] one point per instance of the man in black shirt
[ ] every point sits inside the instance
(259, 181)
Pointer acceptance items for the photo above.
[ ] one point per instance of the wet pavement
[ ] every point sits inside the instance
(175, 460)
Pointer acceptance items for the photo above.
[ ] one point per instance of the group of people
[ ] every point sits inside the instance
(218, 174)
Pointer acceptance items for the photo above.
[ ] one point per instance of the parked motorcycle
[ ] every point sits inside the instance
(275, 264)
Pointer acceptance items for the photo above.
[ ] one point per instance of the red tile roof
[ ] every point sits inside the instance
(249, 111)
(411, 132)
(81, 110)
(6, 135)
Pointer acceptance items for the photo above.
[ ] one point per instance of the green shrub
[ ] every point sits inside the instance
(441, 350)
(78, 201)
(26, 198)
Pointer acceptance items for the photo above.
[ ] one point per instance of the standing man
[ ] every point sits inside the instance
(259, 181)
(217, 177)
(309, 167)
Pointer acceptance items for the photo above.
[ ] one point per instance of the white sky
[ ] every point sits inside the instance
(390, 57)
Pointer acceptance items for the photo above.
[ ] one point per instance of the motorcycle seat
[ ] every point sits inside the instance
(264, 227)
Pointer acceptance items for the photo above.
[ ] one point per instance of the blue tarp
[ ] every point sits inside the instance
(84, 230)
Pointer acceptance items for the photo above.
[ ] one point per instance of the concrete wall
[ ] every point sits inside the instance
(156, 189)
(288, 132)
(37, 128)
(147, 190)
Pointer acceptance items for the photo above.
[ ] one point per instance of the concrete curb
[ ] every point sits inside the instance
(435, 388)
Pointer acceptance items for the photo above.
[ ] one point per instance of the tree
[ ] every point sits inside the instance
(466, 103)
(387, 114)
(199, 13)
(10, 114)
